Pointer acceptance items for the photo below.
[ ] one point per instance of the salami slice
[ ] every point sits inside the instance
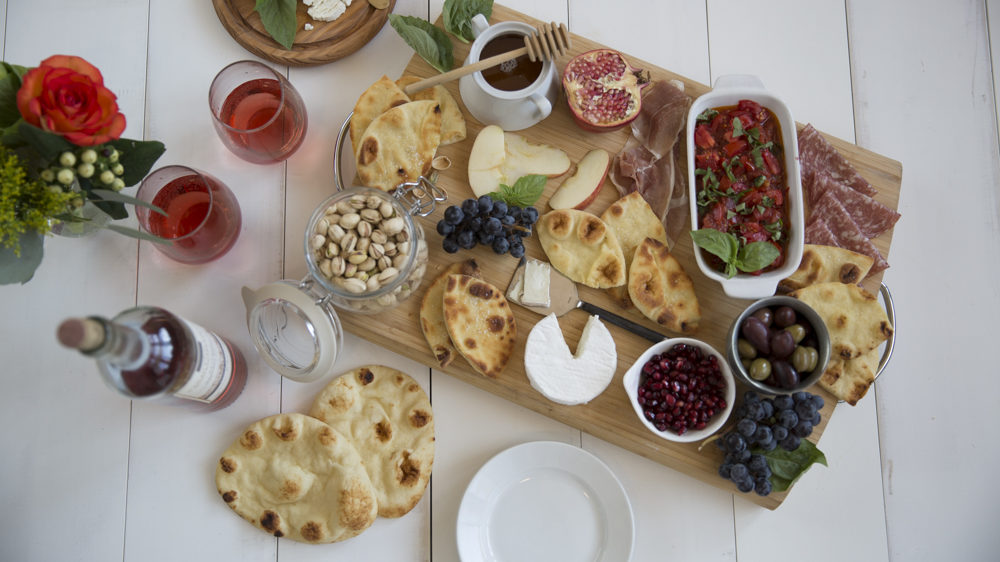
(848, 234)
(818, 155)
(872, 217)
(818, 232)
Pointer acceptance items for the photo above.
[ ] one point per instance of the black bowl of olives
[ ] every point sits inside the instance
(778, 345)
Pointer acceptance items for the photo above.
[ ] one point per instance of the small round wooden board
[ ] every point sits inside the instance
(326, 42)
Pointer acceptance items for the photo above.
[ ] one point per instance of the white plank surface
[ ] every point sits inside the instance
(908, 479)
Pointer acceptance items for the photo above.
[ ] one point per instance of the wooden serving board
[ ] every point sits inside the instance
(326, 42)
(610, 415)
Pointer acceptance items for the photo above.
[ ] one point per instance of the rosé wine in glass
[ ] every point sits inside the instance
(257, 113)
(202, 220)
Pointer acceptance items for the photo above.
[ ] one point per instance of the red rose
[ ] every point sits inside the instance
(66, 95)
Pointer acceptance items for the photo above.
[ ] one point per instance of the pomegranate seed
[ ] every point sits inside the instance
(681, 389)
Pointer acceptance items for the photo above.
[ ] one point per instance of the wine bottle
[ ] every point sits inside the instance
(147, 352)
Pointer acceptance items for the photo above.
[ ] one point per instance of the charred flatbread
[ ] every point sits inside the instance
(480, 323)
(453, 127)
(632, 220)
(388, 417)
(296, 477)
(823, 264)
(582, 248)
(432, 312)
(661, 290)
(380, 97)
(849, 380)
(856, 321)
(399, 145)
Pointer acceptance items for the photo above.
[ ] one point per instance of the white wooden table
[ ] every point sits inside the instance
(87, 475)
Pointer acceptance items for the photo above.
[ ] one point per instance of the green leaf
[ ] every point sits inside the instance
(456, 15)
(20, 269)
(278, 17)
(738, 127)
(48, 145)
(789, 466)
(427, 40)
(707, 115)
(756, 256)
(137, 157)
(10, 83)
(525, 191)
(109, 195)
(718, 243)
(133, 233)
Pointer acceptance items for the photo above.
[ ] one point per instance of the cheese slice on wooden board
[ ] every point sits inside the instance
(563, 377)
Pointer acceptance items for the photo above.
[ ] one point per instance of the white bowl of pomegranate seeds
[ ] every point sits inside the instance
(682, 389)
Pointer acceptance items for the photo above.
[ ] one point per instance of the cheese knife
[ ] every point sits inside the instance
(564, 297)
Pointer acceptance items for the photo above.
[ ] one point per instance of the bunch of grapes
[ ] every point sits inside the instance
(489, 222)
(762, 425)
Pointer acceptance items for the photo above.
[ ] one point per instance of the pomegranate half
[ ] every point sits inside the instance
(604, 92)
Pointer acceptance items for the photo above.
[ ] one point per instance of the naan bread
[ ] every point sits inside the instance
(380, 97)
(480, 323)
(849, 380)
(296, 477)
(388, 418)
(582, 248)
(452, 122)
(661, 290)
(399, 145)
(823, 264)
(856, 321)
(632, 220)
(432, 312)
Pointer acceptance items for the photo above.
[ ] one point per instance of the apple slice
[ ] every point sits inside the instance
(525, 157)
(486, 160)
(580, 189)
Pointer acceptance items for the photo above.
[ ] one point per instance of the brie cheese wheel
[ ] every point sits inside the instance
(563, 377)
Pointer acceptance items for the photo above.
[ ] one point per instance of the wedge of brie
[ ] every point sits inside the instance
(562, 376)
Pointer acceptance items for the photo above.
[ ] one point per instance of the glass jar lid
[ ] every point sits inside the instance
(295, 330)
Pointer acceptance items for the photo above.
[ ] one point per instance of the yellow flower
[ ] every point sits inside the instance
(25, 204)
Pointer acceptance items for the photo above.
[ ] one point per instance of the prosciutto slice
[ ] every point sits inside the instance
(652, 160)
(818, 155)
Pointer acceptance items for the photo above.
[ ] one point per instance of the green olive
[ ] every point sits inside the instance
(804, 359)
(760, 369)
(798, 332)
(746, 349)
(746, 363)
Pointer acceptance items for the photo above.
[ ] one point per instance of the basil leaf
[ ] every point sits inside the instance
(738, 127)
(721, 244)
(789, 466)
(525, 191)
(278, 17)
(755, 256)
(428, 41)
(456, 15)
(707, 115)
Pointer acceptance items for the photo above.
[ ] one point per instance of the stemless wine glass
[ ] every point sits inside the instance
(257, 113)
(202, 218)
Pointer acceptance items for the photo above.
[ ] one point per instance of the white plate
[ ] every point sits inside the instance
(545, 501)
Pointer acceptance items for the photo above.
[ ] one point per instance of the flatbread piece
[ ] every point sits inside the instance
(432, 312)
(453, 127)
(661, 290)
(480, 323)
(850, 380)
(388, 417)
(582, 247)
(399, 145)
(856, 321)
(632, 220)
(823, 264)
(296, 477)
(380, 97)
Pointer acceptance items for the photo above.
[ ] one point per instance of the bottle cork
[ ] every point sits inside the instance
(84, 334)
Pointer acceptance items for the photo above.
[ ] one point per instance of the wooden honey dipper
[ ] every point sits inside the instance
(550, 40)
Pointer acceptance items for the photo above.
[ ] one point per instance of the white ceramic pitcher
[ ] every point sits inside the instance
(515, 110)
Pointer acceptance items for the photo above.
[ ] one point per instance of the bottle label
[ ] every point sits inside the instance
(213, 370)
